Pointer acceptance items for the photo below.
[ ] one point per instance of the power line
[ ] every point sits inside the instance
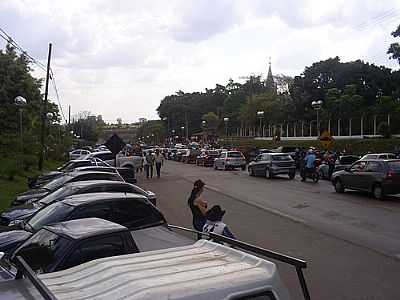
(378, 20)
(53, 81)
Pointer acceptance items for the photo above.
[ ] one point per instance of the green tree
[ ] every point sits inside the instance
(394, 48)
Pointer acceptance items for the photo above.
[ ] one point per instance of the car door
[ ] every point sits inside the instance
(373, 170)
(94, 248)
(352, 179)
(255, 164)
(220, 160)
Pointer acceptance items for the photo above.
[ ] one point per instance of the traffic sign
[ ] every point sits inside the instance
(326, 139)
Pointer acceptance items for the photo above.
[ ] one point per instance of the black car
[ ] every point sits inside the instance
(67, 244)
(36, 194)
(131, 210)
(128, 174)
(35, 182)
(206, 158)
(17, 214)
(380, 177)
(345, 161)
(271, 164)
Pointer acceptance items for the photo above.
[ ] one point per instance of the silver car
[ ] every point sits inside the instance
(230, 160)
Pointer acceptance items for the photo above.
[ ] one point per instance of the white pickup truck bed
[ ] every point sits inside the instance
(204, 270)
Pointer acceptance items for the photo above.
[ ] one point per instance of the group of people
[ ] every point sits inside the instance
(204, 219)
(314, 158)
(150, 160)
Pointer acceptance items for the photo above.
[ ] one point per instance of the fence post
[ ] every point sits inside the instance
(375, 125)
(338, 126)
(294, 129)
(362, 125)
(329, 125)
(302, 128)
(310, 127)
(350, 126)
(287, 129)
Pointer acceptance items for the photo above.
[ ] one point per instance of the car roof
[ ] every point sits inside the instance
(80, 160)
(82, 199)
(76, 174)
(86, 183)
(200, 271)
(381, 160)
(84, 228)
(82, 169)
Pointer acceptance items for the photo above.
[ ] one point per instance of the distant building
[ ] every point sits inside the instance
(269, 82)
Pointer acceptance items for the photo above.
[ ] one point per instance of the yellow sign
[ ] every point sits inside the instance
(326, 139)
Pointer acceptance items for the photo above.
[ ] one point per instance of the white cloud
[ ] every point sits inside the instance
(120, 58)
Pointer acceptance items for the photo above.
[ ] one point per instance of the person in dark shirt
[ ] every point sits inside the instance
(198, 205)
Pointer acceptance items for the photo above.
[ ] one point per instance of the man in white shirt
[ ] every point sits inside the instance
(159, 160)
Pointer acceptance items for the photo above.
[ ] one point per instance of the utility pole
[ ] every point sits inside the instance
(69, 115)
(44, 111)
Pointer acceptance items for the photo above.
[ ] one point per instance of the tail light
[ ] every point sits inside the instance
(390, 174)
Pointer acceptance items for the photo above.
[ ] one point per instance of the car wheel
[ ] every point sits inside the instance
(269, 173)
(378, 193)
(215, 167)
(244, 168)
(292, 175)
(339, 188)
(251, 171)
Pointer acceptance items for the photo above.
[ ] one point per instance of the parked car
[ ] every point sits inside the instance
(179, 154)
(230, 160)
(206, 158)
(288, 150)
(131, 210)
(379, 156)
(16, 214)
(36, 194)
(379, 177)
(75, 154)
(67, 244)
(210, 263)
(271, 164)
(345, 161)
(190, 156)
(122, 159)
(128, 174)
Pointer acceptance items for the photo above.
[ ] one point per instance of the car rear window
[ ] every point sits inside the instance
(394, 165)
(234, 154)
(281, 157)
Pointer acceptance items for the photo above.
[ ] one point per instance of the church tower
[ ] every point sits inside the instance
(269, 82)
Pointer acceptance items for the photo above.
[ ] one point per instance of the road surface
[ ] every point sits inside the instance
(351, 241)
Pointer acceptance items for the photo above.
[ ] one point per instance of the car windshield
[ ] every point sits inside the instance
(281, 157)
(65, 166)
(54, 213)
(56, 183)
(42, 242)
(59, 194)
(234, 154)
(394, 166)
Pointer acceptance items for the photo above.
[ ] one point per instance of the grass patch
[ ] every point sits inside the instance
(10, 188)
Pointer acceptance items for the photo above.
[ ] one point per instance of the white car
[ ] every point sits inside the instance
(230, 160)
(379, 156)
(75, 154)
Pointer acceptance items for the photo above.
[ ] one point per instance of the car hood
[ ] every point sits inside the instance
(20, 211)
(10, 240)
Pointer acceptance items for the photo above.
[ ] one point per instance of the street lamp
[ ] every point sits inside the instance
(226, 120)
(260, 115)
(20, 102)
(317, 105)
(204, 125)
(183, 131)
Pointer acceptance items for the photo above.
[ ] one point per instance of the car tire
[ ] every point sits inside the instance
(292, 175)
(269, 173)
(339, 188)
(215, 167)
(244, 168)
(377, 192)
(251, 172)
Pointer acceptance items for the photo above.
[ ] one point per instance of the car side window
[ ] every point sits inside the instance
(133, 214)
(223, 155)
(95, 249)
(102, 211)
(265, 156)
(358, 167)
(373, 166)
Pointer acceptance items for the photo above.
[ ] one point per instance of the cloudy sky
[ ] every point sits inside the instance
(119, 58)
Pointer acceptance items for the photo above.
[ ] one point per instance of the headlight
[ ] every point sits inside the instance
(14, 222)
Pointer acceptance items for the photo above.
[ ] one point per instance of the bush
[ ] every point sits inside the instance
(9, 168)
(29, 161)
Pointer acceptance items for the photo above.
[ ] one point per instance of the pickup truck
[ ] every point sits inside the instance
(122, 159)
(206, 269)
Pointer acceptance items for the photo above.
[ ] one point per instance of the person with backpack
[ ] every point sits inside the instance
(214, 222)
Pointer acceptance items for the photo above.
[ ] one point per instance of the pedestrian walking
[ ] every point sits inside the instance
(214, 222)
(150, 164)
(159, 160)
(198, 205)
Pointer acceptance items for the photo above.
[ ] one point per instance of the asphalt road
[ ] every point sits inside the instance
(350, 241)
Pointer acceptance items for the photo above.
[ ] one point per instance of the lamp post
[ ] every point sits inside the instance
(260, 115)
(226, 120)
(204, 125)
(183, 132)
(20, 102)
(173, 135)
(317, 105)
